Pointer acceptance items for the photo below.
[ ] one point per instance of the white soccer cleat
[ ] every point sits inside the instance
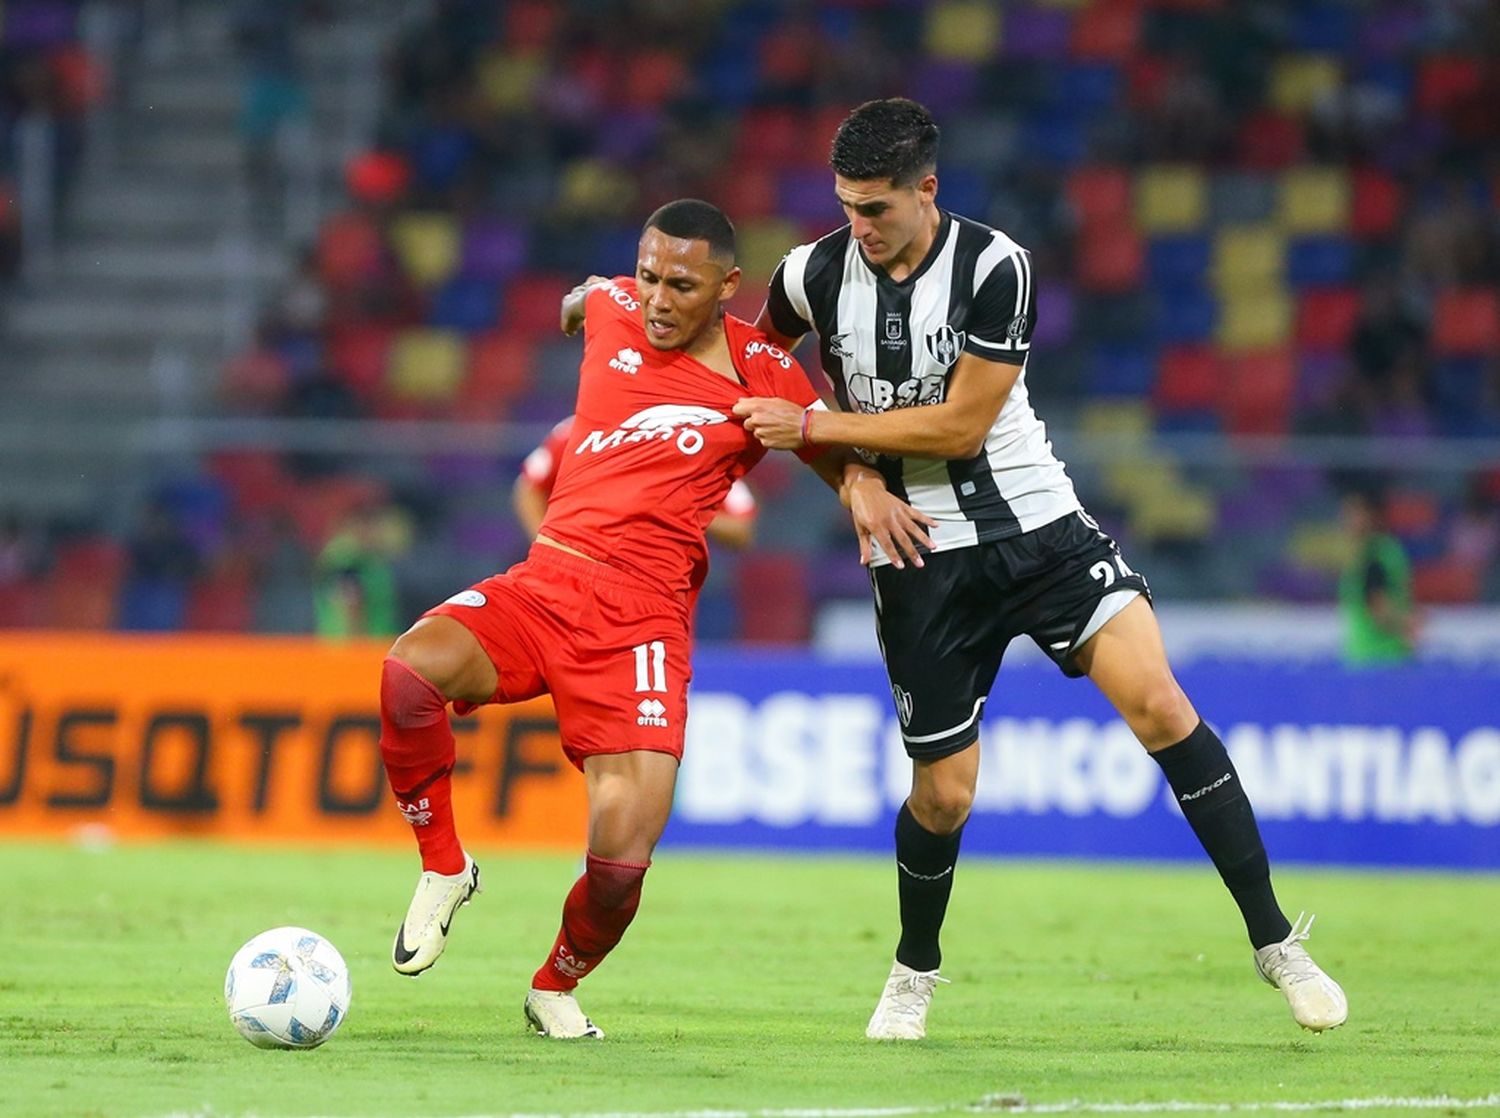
(901, 1013)
(424, 933)
(1317, 1001)
(556, 1013)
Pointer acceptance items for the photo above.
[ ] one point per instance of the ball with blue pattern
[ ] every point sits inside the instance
(287, 988)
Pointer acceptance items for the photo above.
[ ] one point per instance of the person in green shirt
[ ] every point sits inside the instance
(354, 585)
(1380, 626)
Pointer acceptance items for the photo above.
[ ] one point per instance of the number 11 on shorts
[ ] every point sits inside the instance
(651, 666)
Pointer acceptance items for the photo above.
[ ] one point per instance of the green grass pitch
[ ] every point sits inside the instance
(744, 985)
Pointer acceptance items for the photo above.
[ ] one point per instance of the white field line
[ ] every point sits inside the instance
(1011, 1104)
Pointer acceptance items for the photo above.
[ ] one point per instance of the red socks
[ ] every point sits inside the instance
(599, 908)
(416, 743)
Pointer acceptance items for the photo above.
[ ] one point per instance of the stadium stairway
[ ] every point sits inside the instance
(163, 257)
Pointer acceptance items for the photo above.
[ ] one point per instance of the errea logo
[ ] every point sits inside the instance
(627, 361)
(653, 713)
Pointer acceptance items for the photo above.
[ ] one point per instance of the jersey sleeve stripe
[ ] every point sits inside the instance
(794, 275)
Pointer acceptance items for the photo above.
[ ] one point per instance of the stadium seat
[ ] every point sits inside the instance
(530, 25)
(762, 243)
(805, 194)
(323, 504)
(1110, 259)
(945, 86)
(427, 366)
(1376, 203)
(1321, 376)
(1314, 200)
(439, 155)
(1322, 26)
(1466, 321)
(223, 601)
(493, 249)
(349, 249)
(1445, 81)
(500, 370)
(774, 137)
(775, 606)
(1180, 514)
(1099, 193)
(1242, 198)
(1036, 32)
(1184, 315)
(533, 303)
(1188, 379)
(1107, 29)
(1255, 319)
(360, 354)
(23, 604)
(1258, 394)
(464, 303)
(1446, 581)
(507, 81)
(83, 586)
(426, 245)
(1298, 82)
(1126, 420)
(255, 480)
(1055, 315)
(1170, 199)
(1326, 317)
(1119, 371)
(1178, 263)
(1248, 258)
(962, 30)
(1269, 141)
(1319, 261)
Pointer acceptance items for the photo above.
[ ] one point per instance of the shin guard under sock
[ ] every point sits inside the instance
(599, 908)
(924, 876)
(1209, 792)
(416, 744)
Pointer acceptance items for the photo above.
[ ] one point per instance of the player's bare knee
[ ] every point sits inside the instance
(1162, 713)
(433, 653)
(942, 808)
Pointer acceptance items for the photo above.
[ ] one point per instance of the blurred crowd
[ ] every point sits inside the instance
(1260, 219)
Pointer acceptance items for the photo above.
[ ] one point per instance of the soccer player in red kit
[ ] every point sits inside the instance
(599, 612)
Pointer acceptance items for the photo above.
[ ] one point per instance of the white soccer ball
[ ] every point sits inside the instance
(287, 988)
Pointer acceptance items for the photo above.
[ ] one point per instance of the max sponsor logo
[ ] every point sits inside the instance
(674, 423)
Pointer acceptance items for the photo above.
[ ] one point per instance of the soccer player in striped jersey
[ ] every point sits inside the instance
(924, 322)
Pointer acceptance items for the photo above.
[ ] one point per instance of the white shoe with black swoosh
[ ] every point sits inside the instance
(424, 933)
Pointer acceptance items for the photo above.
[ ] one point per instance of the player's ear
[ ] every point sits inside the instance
(730, 284)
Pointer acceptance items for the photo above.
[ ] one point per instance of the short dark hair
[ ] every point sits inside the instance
(693, 219)
(893, 139)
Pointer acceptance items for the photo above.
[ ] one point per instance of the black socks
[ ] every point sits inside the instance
(1208, 791)
(924, 873)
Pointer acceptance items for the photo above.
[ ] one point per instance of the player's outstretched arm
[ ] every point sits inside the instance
(573, 301)
(879, 516)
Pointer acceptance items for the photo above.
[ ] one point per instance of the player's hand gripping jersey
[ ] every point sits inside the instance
(655, 445)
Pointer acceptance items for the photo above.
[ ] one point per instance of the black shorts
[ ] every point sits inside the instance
(944, 627)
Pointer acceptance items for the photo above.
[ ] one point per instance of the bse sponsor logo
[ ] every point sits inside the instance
(621, 297)
(652, 713)
(466, 598)
(796, 759)
(626, 361)
(945, 344)
(662, 423)
(871, 394)
(775, 353)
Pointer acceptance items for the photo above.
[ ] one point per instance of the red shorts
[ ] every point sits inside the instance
(614, 654)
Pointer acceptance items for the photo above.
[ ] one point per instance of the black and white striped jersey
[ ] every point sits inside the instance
(888, 344)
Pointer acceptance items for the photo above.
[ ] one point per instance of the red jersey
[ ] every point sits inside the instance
(541, 465)
(655, 444)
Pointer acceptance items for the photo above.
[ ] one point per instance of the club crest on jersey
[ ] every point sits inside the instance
(895, 331)
(1016, 328)
(626, 361)
(945, 344)
(675, 423)
(903, 703)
